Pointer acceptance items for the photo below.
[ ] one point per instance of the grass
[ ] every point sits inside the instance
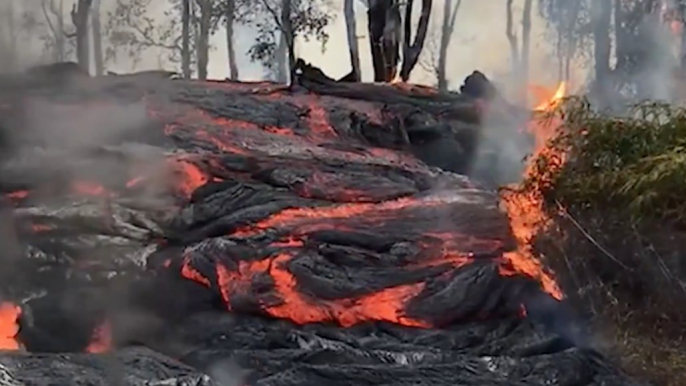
(617, 245)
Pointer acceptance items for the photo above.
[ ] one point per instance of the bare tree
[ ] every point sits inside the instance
(519, 57)
(413, 48)
(97, 39)
(447, 29)
(205, 8)
(229, 17)
(353, 46)
(435, 54)
(54, 9)
(79, 17)
(512, 37)
(8, 37)
(601, 15)
(185, 39)
(526, 41)
(384, 27)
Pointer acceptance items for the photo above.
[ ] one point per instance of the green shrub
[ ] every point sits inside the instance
(618, 243)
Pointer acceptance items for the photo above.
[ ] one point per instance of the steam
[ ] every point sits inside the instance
(227, 373)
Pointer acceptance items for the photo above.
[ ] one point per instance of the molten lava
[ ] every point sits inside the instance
(101, 340)
(9, 326)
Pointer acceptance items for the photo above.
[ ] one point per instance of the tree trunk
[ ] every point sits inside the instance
(571, 38)
(230, 50)
(203, 48)
(12, 38)
(512, 38)
(384, 26)
(411, 51)
(601, 15)
(289, 35)
(526, 42)
(186, 39)
(447, 28)
(97, 39)
(353, 46)
(59, 38)
(79, 17)
(376, 20)
(281, 57)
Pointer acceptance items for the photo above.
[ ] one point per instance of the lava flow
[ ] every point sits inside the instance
(9, 327)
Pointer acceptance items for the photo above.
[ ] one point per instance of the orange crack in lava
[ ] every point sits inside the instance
(101, 341)
(88, 188)
(9, 327)
(297, 216)
(525, 209)
(384, 305)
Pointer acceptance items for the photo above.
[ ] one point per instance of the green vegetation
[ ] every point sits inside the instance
(637, 164)
(617, 246)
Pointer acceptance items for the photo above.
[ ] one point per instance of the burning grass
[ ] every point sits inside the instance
(619, 217)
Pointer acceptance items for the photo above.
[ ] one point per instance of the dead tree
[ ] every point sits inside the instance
(8, 38)
(97, 39)
(79, 17)
(412, 49)
(449, 16)
(229, 15)
(186, 39)
(55, 9)
(203, 46)
(519, 57)
(353, 46)
(384, 26)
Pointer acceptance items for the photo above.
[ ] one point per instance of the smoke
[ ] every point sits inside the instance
(227, 373)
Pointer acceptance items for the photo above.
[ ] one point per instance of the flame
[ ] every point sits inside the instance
(101, 340)
(9, 326)
(525, 209)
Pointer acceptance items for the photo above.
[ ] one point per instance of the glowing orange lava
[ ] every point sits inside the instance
(88, 188)
(101, 340)
(9, 327)
(383, 305)
(525, 209)
(189, 176)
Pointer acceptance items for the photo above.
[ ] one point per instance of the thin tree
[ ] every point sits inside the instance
(229, 17)
(519, 56)
(55, 9)
(186, 39)
(97, 39)
(205, 8)
(413, 48)
(450, 9)
(79, 16)
(351, 33)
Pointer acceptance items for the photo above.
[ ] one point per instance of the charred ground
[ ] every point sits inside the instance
(273, 235)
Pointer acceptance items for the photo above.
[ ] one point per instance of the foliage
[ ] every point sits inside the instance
(636, 163)
(133, 30)
(617, 234)
(569, 24)
(309, 19)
